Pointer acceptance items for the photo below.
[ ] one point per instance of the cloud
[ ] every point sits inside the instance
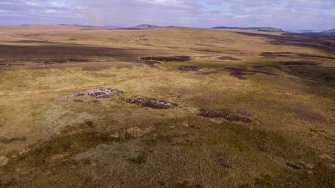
(287, 14)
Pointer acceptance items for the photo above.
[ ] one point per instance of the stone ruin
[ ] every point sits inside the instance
(102, 93)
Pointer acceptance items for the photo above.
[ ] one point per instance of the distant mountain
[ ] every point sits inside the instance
(262, 29)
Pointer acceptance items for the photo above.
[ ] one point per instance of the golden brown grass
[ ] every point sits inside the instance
(292, 110)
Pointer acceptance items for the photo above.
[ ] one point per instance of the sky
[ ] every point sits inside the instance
(285, 14)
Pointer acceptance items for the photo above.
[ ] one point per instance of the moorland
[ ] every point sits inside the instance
(165, 107)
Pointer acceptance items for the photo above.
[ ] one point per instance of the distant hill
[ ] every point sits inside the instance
(146, 26)
(263, 29)
(88, 27)
(329, 32)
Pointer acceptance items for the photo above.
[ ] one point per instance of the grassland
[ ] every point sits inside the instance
(252, 109)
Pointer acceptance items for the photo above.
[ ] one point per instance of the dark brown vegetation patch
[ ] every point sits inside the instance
(310, 70)
(188, 68)
(223, 114)
(224, 58)
(297, 63)
(14, 61)
(306, 113)
(319, 42)
(151, 63)
(291, 54)
(64, 51)
(188, 184)
(151, 102)
(66, 60)
(11, 140)
(167, 58)
(35, 42)
(221, 160)
(31, 35)
(241, 72)
(139, 159)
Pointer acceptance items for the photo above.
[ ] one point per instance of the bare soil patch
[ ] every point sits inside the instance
(223, 114)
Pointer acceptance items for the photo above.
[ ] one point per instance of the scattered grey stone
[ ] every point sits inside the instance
(137, 132)
(294, 166)
(326, 157)
(64, 98)
(102, 92)
(309, 166)
(79, 94)
(223, 114)
(24, 151)
(132, 132)
(306, 165)
(3, 160)
(99, 93)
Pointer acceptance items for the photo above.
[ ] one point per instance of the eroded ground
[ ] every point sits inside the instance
(165, 108)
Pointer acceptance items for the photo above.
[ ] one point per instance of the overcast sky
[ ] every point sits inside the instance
(286, 14)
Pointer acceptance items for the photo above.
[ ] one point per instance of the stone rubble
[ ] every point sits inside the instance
(102, 93)
(151, 102)
(99, 93)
